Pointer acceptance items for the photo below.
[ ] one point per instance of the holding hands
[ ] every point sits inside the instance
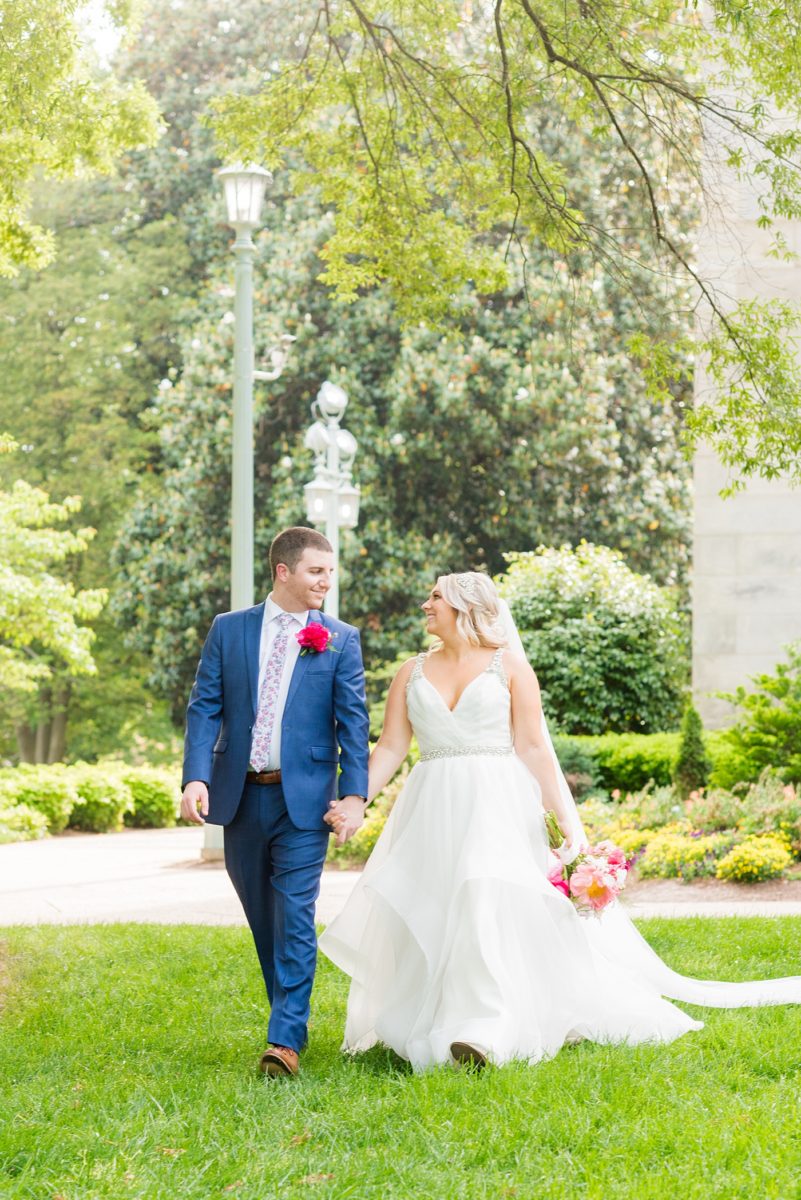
(345, 816)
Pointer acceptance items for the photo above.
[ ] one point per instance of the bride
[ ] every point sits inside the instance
(458, 946)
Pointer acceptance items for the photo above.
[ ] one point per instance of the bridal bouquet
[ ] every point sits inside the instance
(595, 877)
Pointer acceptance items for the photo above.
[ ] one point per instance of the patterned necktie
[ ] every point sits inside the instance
(265, 717)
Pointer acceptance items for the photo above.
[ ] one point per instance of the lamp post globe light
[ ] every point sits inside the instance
(332, 499)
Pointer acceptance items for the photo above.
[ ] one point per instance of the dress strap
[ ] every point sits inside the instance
(416, 671)
(496, 666)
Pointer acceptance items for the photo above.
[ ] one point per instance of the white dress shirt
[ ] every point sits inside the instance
(269, 629)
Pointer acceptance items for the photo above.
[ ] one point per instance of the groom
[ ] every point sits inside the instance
(277, 704)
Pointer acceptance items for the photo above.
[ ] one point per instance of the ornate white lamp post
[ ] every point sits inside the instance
(332, 499)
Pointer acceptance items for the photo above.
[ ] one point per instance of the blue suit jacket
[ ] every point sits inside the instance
(325, 719)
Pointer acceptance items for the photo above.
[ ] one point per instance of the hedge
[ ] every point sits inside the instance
(90, 797)
(19, 823)
(627, 762)
(49, 790)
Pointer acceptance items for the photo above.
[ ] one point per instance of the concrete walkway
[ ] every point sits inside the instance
(156, 875)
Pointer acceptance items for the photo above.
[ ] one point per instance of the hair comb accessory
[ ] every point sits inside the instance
(468, 585)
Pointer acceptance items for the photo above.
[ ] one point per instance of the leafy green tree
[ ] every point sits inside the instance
(186, 53)
(419, 125)
(608, 645)
(61, 116)
(44, 640)
(469, 446)
(83, 344)
(767, 732)
(86, 341)
(693, 766)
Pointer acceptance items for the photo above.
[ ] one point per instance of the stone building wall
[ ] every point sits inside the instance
(746, 578)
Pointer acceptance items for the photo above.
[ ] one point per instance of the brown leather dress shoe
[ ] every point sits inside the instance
(279, 1060)
(464, 1054)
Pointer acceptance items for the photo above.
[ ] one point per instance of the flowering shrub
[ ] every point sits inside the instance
(764, 856)
(596, 814)
(771, 806)
(645, 810)
(676, 854)
(713, 811)
(651, 807)
(632, 841)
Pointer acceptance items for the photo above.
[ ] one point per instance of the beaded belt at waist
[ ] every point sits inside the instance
(460, 751)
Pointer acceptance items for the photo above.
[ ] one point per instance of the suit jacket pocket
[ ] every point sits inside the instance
(321, 664)
(221, 745)
(324, 753)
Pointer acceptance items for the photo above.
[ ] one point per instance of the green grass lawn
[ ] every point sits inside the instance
(127, 1069)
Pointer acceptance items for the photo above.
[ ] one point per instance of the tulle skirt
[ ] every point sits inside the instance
(454, 933)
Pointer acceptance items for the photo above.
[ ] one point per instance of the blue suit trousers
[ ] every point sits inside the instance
(275, 868)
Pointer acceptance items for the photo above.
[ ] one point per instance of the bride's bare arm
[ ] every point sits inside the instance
(528, 740)
(393, 745)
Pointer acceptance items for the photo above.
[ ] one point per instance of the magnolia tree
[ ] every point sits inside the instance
(504, 434)
(418, 124)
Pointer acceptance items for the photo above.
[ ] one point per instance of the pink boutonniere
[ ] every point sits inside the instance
(314, 638)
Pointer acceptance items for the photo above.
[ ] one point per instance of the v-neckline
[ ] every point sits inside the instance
(465, 689)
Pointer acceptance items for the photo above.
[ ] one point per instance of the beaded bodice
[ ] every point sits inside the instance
(479, 723)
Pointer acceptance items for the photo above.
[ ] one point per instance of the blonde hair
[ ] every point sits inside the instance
(478, 616)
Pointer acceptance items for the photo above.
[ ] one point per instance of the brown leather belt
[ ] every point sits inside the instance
(263, 777)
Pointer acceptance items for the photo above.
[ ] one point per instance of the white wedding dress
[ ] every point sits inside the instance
(454, 933)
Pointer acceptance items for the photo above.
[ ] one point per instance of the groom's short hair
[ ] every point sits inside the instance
(288, 546)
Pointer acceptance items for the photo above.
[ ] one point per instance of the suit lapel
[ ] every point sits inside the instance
(301, 664)
(254, 619)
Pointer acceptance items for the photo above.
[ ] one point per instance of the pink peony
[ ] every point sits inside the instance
(592, 886)
(612, 853)
(555, 877)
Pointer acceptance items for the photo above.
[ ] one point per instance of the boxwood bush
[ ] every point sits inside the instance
(627, 762)
(92, 797)
(103, 799)
(155, 798)
(49, 790)
(19, 823)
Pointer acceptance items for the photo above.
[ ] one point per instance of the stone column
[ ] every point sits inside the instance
(746, 578)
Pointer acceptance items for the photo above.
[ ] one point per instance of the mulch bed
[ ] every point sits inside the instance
(674, 891)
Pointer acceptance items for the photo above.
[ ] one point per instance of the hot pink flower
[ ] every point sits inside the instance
(555, 877)
(314, 638)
